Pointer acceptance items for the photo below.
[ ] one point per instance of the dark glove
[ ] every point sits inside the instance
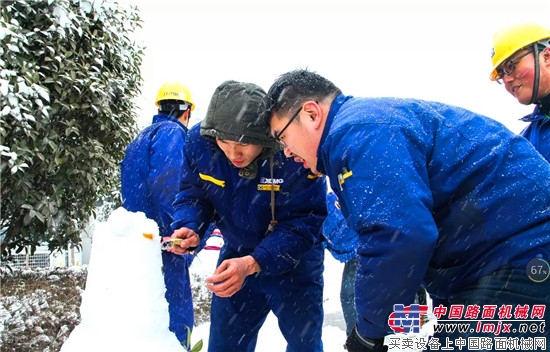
(357, 343)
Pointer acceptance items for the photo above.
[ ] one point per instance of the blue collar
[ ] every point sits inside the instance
(542, 110)
(166, 117)
(334, 107)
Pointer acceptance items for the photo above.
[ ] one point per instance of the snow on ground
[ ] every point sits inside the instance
(38, 315)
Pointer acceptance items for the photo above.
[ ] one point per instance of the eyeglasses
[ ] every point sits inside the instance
(278, 135)
(508, 66)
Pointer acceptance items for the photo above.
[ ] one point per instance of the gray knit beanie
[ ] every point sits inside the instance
(233, 115)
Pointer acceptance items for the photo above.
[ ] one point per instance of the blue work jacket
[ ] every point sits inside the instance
(538, 131)
(150, 170)
(212, 189)
(438, 195)
(341, 241)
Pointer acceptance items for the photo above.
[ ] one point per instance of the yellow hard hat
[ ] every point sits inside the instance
(510, 39)
(174, 91)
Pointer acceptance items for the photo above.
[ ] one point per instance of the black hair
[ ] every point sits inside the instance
(292, 88)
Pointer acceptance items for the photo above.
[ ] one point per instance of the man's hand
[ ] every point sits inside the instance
(230, 275)
(357, 343)
(190, 241)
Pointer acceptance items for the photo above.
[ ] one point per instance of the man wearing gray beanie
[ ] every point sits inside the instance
(270, 211)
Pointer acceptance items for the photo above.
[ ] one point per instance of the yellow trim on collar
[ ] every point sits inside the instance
(342, 177)
(212, 179)
(314, 176)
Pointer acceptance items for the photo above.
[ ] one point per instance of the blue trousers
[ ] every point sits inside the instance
(295, 298)
(507, 286)
(178, 294)
(347, 294)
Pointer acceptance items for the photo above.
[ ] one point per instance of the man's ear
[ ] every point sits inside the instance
(546, 56)
(314, 112)
(184, 118)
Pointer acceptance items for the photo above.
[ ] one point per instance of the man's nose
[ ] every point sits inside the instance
(234, 151)
(508, 78)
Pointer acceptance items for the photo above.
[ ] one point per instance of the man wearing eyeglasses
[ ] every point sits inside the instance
(270, 211)
(521, 61)
(439, 196)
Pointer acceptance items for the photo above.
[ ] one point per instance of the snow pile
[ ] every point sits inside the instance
(123, 306)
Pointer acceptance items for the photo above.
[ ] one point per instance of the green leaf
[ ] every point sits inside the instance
(198, 347)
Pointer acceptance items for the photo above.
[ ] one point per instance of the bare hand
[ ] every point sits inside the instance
(230, 275)
(190, 240)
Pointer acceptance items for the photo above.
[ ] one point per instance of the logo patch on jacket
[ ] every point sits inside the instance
(269, 184)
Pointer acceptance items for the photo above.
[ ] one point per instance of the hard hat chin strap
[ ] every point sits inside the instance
(536, 75)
